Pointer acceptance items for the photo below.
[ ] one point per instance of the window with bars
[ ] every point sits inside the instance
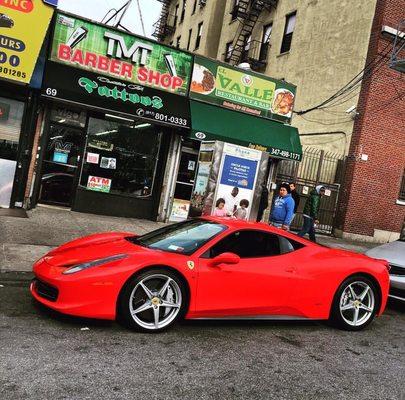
(401, 196)
(288, 32)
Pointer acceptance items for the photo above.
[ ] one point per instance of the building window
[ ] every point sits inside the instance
(234, 11)
(183, 11)
(199, 33)
(190, 32)
(176, 15)
(401, 196)
(228, 51)
(120, 158)
(288, 32)
(264, 47)
(178, 41)
(194, 7)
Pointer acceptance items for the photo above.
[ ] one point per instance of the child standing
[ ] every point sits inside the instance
(220, 210)
(241, 212)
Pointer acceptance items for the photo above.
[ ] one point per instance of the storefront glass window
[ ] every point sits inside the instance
(119, 158)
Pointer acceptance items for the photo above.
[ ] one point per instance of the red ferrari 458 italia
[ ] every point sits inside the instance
(210, 268)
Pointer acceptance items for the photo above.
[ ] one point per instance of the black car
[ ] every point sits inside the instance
(5, 21)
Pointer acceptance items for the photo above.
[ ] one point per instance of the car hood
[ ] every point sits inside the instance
(393, 252)
(91, 248)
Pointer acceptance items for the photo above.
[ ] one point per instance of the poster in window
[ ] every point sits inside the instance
(237, 180)
(108, 163)
(93, 158)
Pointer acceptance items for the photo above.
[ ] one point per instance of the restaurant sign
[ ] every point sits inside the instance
(241, 90)
(100, 91)
(87, 45)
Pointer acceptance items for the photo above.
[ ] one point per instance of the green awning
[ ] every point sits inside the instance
(215, 123)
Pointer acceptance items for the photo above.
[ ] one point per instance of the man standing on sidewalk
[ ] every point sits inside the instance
(283, 208)
(311, 210)
(295, 196)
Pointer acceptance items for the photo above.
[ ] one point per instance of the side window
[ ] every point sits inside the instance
(288, 245)
(248, 244)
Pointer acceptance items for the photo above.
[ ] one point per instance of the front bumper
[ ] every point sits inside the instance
(86, 295)
(397, 287)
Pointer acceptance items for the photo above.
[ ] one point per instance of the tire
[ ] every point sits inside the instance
(152, 301)
(355, 303)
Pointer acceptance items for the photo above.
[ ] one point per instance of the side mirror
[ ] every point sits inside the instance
(225, 258)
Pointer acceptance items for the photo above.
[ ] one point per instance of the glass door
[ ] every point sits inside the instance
(60, 165)
(11, 114)
(184, 184)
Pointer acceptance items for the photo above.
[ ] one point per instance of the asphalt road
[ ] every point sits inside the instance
(48, 356)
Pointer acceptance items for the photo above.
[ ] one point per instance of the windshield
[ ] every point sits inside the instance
(183, 237)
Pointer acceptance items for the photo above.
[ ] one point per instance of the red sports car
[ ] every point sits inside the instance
(210, 268)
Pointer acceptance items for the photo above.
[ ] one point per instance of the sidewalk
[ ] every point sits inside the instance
(24, 240)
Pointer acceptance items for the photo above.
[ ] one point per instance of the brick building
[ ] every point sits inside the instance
(372, 202)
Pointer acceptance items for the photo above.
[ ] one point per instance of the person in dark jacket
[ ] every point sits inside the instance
(264, 202)
(310, 213)
(295, 196)
(283, 208)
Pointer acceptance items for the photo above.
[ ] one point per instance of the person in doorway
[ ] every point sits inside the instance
(311, 210)
(296, 197)
(241, 212)
(220, 210)
(283, 208)
(231, 201)
(264, 202)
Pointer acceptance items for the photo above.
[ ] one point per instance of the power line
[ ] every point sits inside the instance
(352, 83)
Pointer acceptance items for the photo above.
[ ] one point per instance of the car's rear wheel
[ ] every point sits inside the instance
(153, 301)
(355, 303)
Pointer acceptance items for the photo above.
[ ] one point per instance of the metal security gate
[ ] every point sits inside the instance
(316, 168)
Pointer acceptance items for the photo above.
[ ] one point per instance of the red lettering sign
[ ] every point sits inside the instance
(25, 6)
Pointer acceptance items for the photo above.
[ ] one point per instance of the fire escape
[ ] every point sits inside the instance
(244, 49)
(165, 25)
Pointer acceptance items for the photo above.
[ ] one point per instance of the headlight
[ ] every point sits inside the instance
(95, 263)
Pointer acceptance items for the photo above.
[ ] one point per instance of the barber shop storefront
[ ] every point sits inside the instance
(138, 129)
(113, 105)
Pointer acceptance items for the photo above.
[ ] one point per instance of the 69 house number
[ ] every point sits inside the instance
(51, 92)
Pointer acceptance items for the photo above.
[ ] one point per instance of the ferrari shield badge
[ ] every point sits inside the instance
(190, 264)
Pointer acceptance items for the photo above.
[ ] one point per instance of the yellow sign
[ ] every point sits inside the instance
(23, 25)
(243, 88)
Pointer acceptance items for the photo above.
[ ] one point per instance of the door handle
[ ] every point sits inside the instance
(291, 269)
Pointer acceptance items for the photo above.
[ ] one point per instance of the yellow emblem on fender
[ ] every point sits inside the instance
(190, 264)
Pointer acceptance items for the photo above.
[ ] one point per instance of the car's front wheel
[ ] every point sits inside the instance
(355, 303)
(153, 300)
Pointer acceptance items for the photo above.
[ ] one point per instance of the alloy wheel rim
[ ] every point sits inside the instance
(155, 301)
(357, 303)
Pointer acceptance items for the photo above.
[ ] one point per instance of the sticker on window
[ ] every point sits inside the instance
(108, 163)
(99, 184)
(93, 158)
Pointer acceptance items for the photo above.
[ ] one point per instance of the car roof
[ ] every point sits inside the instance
(241, 224)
